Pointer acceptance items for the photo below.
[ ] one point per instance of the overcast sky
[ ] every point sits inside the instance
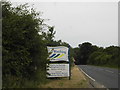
(78, 22)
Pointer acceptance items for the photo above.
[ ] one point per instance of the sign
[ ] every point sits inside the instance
(58, 70)
(59, 53)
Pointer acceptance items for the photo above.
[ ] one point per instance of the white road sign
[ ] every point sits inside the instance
(59, 53)
(58, 70)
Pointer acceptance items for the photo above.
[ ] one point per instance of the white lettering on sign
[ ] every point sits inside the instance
(58, 70)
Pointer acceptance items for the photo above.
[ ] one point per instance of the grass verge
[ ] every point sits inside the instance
(78, 80)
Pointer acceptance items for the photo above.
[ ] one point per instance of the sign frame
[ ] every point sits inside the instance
(61, 61)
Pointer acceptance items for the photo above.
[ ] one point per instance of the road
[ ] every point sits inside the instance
(105, 76)
(0, 77)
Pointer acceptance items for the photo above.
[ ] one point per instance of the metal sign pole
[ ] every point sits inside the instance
(69, 63)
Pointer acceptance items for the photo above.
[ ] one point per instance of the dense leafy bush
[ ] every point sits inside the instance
(23, 48)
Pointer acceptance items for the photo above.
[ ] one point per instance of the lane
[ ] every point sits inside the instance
(0, 77)
(105, 76)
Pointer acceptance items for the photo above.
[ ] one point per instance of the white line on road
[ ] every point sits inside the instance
(87, 75)
(109, 71)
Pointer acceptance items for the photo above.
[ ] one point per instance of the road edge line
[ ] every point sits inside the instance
(93, 82)
(87, 75)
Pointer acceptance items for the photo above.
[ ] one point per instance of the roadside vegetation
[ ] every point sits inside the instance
(25, 37)
(90, 54)
(78, 80)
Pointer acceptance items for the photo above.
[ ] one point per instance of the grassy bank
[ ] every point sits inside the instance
(78, 80)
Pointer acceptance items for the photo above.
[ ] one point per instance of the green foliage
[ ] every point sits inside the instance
(24, 50)
(84, 51)
(49, 35)
(99, 58)
(24, 46)
(89, 54)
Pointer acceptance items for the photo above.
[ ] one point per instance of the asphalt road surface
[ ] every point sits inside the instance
(105, 76)
(0, 77)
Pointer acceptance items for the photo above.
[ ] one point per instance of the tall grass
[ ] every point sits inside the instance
(19, 82)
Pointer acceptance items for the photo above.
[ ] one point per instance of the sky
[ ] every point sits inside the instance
(79, 22)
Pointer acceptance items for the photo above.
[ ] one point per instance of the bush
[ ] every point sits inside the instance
(24, 49)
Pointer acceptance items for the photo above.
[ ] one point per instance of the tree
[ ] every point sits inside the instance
(85, 50)
(114, 52)
(24, 49)
(105, 57)
(49, 35)
(76, 55)
(99, 58)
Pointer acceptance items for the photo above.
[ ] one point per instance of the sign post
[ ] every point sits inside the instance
(59, 65)
(69, 63)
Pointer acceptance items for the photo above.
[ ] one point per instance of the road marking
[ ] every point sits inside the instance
(109, 71)
(87, 75)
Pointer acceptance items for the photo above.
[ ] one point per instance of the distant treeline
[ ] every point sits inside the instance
(25, 38)
(90, 54)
